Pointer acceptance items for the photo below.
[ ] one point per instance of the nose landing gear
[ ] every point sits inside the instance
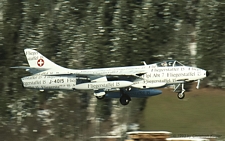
(181, 94)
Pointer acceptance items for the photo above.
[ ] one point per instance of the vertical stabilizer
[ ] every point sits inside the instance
(37, 60)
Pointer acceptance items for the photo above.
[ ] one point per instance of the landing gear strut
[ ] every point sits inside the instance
(124, 99)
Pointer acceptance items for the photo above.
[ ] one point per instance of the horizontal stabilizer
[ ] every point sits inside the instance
(30, 69)
(20, 67)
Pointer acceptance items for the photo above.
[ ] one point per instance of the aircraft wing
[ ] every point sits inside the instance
(135, 73)
(96, 75)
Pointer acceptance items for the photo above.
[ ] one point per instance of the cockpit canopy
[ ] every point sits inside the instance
(169, 63)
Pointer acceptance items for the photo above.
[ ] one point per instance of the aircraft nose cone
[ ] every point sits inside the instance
(207, 73)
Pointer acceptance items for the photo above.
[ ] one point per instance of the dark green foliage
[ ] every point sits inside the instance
(103, 109)
(211, 44)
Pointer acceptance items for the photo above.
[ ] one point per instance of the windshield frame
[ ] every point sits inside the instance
(169, 63)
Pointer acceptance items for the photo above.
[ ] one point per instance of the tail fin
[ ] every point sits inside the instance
(37, 60)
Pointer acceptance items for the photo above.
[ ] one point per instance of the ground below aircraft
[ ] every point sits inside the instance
(115, 82)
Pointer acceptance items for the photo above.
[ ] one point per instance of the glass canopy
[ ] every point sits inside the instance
(169, 63)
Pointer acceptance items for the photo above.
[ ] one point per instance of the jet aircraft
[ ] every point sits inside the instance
(115, 82)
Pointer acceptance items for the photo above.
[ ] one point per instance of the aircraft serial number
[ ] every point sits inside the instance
(57, 81)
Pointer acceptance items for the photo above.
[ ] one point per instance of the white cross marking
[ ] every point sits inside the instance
(40, 62)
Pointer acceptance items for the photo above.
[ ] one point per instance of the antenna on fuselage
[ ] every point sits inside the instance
(144, 63)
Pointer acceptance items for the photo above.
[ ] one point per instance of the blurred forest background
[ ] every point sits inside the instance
(96, 34)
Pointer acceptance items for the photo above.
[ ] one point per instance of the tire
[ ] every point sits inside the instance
(181, 95)
(124, 100)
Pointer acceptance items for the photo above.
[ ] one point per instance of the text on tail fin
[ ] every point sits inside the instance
(37, 60)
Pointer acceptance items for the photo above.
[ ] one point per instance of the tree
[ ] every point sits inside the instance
(10, 25)
(210, 44)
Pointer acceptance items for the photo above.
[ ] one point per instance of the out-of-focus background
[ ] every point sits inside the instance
(108, 33)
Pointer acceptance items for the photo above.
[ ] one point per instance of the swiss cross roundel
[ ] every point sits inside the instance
(40, 62)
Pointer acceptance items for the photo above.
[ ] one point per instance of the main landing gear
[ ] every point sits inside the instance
(124, 99)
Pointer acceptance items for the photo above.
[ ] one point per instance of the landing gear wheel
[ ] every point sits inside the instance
(181, 95)
(100, 97)
(124, 100)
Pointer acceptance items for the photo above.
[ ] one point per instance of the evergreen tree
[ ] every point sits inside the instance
(183, 31)
(211, 46)
(171, 32)
(122, 48)
(10, 25)
(90, 50)
(144, 43)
